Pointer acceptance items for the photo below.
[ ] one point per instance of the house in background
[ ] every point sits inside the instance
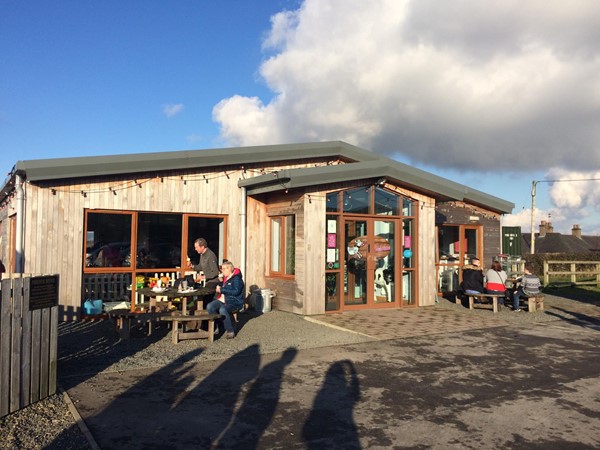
(547, 241)
(328, 226)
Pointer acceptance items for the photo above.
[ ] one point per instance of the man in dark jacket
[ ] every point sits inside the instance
(229, 298)
(208, 267)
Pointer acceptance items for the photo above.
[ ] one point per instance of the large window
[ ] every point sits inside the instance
(457, 244)
(124, 249)
(283, 245)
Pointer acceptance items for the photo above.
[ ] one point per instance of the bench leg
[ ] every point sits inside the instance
(175, 332)
(124, 327)
(471, 300)
(540, 305)
(211, 330)
(495, 304)
(531, 304)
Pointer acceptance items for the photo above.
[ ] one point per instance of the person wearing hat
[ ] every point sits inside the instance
(472, 282)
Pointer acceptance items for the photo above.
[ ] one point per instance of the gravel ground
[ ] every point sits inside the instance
(93, 347)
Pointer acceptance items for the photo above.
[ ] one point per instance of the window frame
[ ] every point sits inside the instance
(284, 245)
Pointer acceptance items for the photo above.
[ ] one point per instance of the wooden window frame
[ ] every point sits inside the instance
(283, 242)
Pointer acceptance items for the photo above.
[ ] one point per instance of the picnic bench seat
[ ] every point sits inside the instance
(534, 302)
(199, 316)
(125, 318)
(473, 297)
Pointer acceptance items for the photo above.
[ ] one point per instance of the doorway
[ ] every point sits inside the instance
(370, 262)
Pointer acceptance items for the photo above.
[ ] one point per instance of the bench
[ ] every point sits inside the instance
(198, 317)
(124, 318)
(494, 298)
(534, 303)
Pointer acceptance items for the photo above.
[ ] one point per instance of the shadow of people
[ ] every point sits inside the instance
(86, 348)
(330, 423)
(576, 318)
(169, 408)
(256, 412)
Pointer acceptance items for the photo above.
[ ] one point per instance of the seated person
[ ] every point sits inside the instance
(229, 298)
(472, 282)
(495, 281)
(528, 286)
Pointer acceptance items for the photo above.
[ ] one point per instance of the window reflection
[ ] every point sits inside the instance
(356, 201)
(108, 240)
(386, 203)
(159, 241)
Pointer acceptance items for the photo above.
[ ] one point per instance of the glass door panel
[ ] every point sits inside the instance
(384, 258)
(356, 268)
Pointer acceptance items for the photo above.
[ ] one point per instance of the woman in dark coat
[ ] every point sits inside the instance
(229, 298)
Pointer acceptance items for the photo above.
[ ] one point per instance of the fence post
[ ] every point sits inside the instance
(546, 276)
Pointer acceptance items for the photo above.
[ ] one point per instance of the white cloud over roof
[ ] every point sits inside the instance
(509, 85)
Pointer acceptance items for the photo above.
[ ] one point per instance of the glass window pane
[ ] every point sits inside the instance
(471, 244)
(210, 228)
(449, 244)
(356, 201)
(332, 202)
(290, 245)
(408, 281)
(275, 245)
(408, 207)
(159, 241)
(108, 240)
(386, 203)
(407, 245)
(332, 298)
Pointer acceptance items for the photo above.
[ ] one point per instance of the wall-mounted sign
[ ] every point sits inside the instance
(43, 292)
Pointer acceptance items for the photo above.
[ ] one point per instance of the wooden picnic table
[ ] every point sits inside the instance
(172, 294)
(125, 317)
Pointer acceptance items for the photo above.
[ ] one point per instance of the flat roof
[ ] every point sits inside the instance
(358, 164)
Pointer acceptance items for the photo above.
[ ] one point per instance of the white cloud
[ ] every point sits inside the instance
(502, 85)
(171, 110)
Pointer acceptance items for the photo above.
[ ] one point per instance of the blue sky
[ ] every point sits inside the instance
(492, 96)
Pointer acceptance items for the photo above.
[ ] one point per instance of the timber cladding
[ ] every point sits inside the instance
(28, 341)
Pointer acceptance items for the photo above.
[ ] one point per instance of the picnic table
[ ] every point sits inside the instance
(153, 311)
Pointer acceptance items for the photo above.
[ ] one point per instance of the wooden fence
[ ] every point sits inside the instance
(28, 340)
(581, 272)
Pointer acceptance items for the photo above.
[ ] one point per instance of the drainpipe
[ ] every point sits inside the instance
(243, 234)
(20, 225)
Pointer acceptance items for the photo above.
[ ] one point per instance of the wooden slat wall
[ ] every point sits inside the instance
(28, 347)
(314, 250)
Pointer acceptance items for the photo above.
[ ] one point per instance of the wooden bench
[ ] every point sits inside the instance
(534, 303)
(494, 298)
(199, 316)
(124, 318)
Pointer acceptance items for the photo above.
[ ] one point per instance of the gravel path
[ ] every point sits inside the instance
(93, 347)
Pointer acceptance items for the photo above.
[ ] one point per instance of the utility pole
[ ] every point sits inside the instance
(533, 191)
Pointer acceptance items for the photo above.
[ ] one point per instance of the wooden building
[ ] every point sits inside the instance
(326, 226)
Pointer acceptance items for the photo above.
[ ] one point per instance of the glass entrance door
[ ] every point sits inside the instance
(369, 271)
(357, 264)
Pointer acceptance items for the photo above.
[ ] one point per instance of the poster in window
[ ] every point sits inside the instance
(407, 241)
(331, 240)
(331, 255)
(331, 226)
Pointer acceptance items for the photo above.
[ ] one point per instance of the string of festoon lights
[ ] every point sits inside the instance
(242, 171)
